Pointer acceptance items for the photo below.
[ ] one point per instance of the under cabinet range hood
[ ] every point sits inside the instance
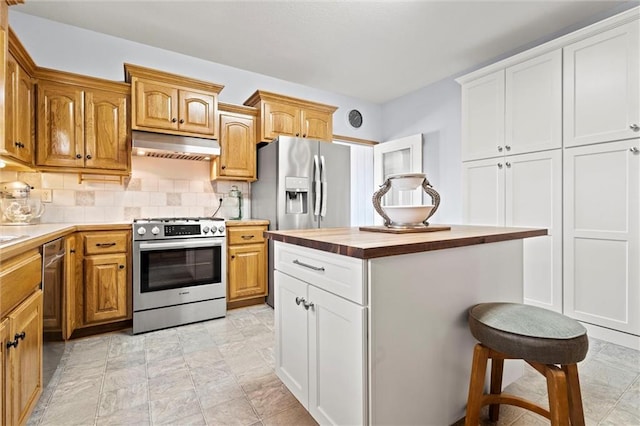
(159, 145)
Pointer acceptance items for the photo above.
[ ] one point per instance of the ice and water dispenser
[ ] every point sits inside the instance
(297, 191)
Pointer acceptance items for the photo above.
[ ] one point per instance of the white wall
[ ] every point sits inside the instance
(73, 49)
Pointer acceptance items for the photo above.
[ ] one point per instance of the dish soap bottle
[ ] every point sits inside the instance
(236, 206)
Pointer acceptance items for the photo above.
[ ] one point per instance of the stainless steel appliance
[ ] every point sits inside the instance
(179, 272)
(302, 183)
(53, 277)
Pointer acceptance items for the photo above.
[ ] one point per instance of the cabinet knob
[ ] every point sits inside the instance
(634, 149)
(223, 167)
(635, 127)
(233, 256)
(307, 305)
(507, 147)
(88, 156)
(304, 135)
(300, 300)
(20, 336)
(12, 343)
(499, 148)
(297, 134)
(508, 164)
(72, 250)
(21, 144)
(173, 120)
(181, 121)
(120, 266)
(78, 156)
(499, 165)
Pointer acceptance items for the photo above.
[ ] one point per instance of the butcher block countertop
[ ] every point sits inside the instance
(368, 245)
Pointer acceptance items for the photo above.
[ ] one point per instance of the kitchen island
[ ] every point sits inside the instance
(371, 327)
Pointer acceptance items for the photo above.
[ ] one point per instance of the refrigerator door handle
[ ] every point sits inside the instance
(316, 185)
(323, 178)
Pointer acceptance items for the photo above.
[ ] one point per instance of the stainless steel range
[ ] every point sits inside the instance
(179, 272)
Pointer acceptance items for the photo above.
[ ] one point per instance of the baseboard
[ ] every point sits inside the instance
(246, 302)
(613, 336)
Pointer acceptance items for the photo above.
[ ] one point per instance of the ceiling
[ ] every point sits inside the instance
(375, 51)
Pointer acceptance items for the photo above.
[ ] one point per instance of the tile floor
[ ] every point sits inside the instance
(221, 372)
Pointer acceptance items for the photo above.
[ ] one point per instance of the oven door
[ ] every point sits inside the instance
(173, 272)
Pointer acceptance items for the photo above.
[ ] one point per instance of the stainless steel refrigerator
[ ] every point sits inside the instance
(302, 184)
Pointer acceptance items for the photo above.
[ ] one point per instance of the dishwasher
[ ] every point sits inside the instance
(53, 277)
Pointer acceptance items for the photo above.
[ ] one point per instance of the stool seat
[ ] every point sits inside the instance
(529, 332)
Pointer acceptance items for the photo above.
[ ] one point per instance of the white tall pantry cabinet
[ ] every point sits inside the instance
(561, 150)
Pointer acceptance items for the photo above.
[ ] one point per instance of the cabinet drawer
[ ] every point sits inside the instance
(246, 234)
(105, 242)
(19, 277)
(340, 275)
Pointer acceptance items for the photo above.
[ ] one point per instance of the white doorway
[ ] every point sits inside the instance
(402, 155)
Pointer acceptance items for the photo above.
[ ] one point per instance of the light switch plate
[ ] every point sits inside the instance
(46, 196)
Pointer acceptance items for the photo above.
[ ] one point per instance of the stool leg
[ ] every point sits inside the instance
(497, 366)
(575, 397)
(476, 385)
(558, 396)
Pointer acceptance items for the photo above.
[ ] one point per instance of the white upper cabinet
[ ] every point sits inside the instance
(483, 117)
(602, 87)
(533, 105)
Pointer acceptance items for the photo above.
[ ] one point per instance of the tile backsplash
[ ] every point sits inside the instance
(157, 188)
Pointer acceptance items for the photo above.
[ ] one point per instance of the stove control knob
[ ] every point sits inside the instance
(155, 230)
(142, 230)
(213, 229)
(205, 229)
(221, 229)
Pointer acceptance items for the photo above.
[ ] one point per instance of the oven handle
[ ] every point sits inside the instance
(179, 244)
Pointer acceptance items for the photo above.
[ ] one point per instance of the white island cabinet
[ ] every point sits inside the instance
(371, 328)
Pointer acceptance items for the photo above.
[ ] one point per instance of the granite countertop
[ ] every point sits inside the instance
(367, 245)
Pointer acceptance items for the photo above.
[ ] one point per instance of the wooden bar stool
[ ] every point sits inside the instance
(550, 342)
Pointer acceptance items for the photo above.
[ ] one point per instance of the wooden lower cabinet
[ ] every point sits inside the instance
(106, 278)
(246, 263)
(4, 338)
(24, 359)
(105, 285)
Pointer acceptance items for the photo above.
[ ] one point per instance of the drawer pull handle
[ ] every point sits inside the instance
(306, 265)
(247, 237)
(105, 244)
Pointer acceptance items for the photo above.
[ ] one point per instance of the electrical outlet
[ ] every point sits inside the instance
(46, 196)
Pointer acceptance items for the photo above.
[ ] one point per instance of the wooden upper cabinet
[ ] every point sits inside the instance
(19, 104)
(196, 112)
(169, 103)
(284, 115)
(106, 130)
(83, 124)
(237, 160)
(156, 105)
(60, 126)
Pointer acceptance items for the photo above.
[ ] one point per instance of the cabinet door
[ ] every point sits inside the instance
(483, 192)
(337, 353)
(106, 140)
(237, 146)
(60, 126)
(533, 198)
(483, 117)
(25, 359)
(601, 235)
(279, 119)
(292, 356)
(247, 271)
(19, 98)
(601, 86)
(316, 125)
(533, 107)
(4, 389)
(197, 113)
(70, 288)
(105, 285)
(156, 106)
